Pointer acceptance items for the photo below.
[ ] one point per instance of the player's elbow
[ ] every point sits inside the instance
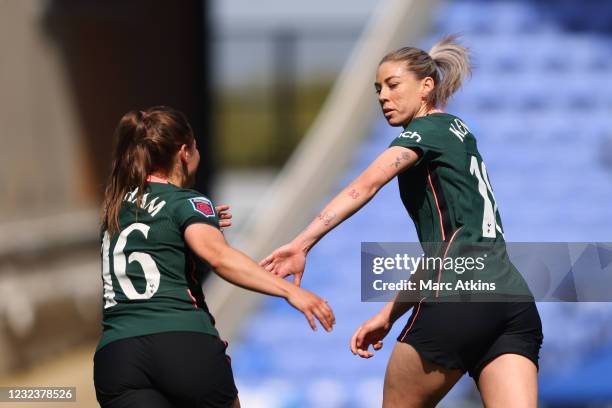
(369, 185)
(216, 258)
(225, 261)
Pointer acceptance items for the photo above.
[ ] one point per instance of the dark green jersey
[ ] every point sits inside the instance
(152, 281)
(449, 196)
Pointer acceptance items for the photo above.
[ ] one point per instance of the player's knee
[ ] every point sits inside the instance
(394, 398)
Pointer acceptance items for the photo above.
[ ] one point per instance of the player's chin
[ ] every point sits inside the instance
(393, 120)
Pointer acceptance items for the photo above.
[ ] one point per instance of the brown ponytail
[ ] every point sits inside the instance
(145, 142)
(447, 63)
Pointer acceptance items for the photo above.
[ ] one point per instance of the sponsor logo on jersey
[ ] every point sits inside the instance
(203, 206)
(411, 135)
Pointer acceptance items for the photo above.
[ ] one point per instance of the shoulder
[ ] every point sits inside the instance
(184, 198)
(186, 193)
(438, 128)
(437, 122)
(190, 206)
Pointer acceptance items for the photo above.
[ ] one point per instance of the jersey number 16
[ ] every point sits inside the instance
(151, 272)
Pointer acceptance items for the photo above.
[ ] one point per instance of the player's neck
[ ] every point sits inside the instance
(152, 178)
(424, 111)
(160, 178)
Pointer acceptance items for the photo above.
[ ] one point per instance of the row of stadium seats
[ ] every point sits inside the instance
(514, 17)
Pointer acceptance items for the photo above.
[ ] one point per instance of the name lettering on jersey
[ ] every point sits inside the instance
(459, 129)
(411, 135)
(152, 207)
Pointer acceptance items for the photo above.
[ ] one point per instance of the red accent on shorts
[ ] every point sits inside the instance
(416, 314)
(437, 205)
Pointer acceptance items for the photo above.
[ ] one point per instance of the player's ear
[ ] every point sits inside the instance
(427, 86)
(183, 153)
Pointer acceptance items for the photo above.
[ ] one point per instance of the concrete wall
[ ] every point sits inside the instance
(41, 168)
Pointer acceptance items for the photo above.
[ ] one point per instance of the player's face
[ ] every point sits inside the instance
(400, 93)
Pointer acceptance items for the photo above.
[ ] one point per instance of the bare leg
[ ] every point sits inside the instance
(510, 380)
(412, 382)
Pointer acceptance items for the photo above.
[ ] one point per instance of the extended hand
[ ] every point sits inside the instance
(286, 260)
(312, 306)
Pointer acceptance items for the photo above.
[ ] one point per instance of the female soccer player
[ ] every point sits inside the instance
(445, 189)
(159, 347)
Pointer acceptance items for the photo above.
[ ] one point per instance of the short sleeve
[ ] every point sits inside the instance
(191, 208)
(421, 138)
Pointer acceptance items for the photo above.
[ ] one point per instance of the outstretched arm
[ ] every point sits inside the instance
(290, 259)
(232, 265)
(361, 190)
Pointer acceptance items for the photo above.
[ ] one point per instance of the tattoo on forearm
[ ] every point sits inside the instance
(397, 162)
(406, 156)
(354, 194)
(327, 217)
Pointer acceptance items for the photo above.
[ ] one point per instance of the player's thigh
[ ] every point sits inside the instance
(509, 380)
(411, 381)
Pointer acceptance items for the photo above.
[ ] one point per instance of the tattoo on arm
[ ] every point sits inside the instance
(327, 217)
(405, 156)
(353, 194)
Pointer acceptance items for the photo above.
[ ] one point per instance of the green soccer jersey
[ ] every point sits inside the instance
(448, 195)
(151, 279)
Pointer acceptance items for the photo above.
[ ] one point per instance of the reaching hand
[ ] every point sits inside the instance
(312, 306)
(372, 332)
(224, 215)
(286, 260)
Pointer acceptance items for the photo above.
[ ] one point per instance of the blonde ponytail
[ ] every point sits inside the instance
(452, 62)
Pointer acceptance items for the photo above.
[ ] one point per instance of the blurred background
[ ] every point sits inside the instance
(281, 97)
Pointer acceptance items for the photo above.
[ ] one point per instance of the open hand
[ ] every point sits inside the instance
(286, 260)
(313, 307)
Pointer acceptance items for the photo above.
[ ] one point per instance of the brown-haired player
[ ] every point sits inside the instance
(159, 347)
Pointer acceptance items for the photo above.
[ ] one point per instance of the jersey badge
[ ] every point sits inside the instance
(203, 206)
